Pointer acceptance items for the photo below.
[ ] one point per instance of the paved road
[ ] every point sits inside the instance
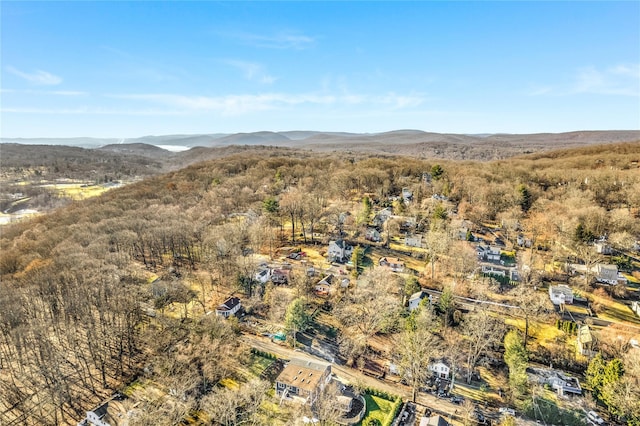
(349, 375)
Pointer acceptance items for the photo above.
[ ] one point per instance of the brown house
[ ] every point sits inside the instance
(303, 380)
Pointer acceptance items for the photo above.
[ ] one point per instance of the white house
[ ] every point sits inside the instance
(229, 307)
(339, 251)
(324, 286)
(560, 294)
(602, 247)
(440, 369)
(635, 307)
(608, 274)
(416, 298)
(558, 381)
(263, 276)
(109, 413)
(490, 253)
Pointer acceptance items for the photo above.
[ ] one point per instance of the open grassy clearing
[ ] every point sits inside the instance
(615, 311)
(78, 191)
(543, 333)
(377, 408)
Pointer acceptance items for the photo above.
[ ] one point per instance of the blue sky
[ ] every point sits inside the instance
(127, 69)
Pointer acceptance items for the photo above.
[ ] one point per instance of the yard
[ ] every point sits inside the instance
(377, 408)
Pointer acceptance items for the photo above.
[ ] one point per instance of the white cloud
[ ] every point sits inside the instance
(623, 80)
(246, 103)
(89, 111)
(619, 80)
(251, 71)
(38, 77)
(281, 40)
(47, 92)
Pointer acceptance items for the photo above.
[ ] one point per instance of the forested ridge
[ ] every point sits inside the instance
(75, 283)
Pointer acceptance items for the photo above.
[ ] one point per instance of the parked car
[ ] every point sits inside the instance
(457, 399)
(594, 418)
(507, 411)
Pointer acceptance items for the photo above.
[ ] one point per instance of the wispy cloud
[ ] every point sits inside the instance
(623, 80)
(90, 111)
(38, 77)
(47, 92)
(281, 40)
(246, 103)
(251, 71)
(619, 80)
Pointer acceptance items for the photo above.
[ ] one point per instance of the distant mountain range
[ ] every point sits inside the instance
(399, 142)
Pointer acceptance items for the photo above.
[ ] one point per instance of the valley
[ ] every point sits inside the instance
(179, 287)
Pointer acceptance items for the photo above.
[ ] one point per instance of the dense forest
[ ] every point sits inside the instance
(77, 283)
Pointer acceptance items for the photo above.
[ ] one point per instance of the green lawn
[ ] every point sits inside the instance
(377, 408)
(259, 364)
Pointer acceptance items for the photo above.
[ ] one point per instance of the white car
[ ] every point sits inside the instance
(507, 411)
(594, 418)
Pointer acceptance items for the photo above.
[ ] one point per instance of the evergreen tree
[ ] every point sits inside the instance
(437, 171)
(524, 198)
(516, 358)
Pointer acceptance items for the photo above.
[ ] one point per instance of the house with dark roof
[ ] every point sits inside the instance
(229, 307)
(109, 413)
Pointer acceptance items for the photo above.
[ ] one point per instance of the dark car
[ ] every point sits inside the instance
(457, 399)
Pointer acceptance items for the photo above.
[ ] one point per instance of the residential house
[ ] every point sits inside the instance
(560, 382)
(109, 413)
(490, 253)
(393, 263)
(440, 197)
(303, 380)
(503, 271)
(436, 420)
(635, 307)
(602, 247)
(414, 240)
(372, 234)
(339, 251)
(324, 286)
(523, 242)
(561, 294)
(407, 195)
(608, 274)
(382, 216)
(416, 298)
(280, 276)
(584, 341)
(263, 276)
(229, 307)
(440, 369)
